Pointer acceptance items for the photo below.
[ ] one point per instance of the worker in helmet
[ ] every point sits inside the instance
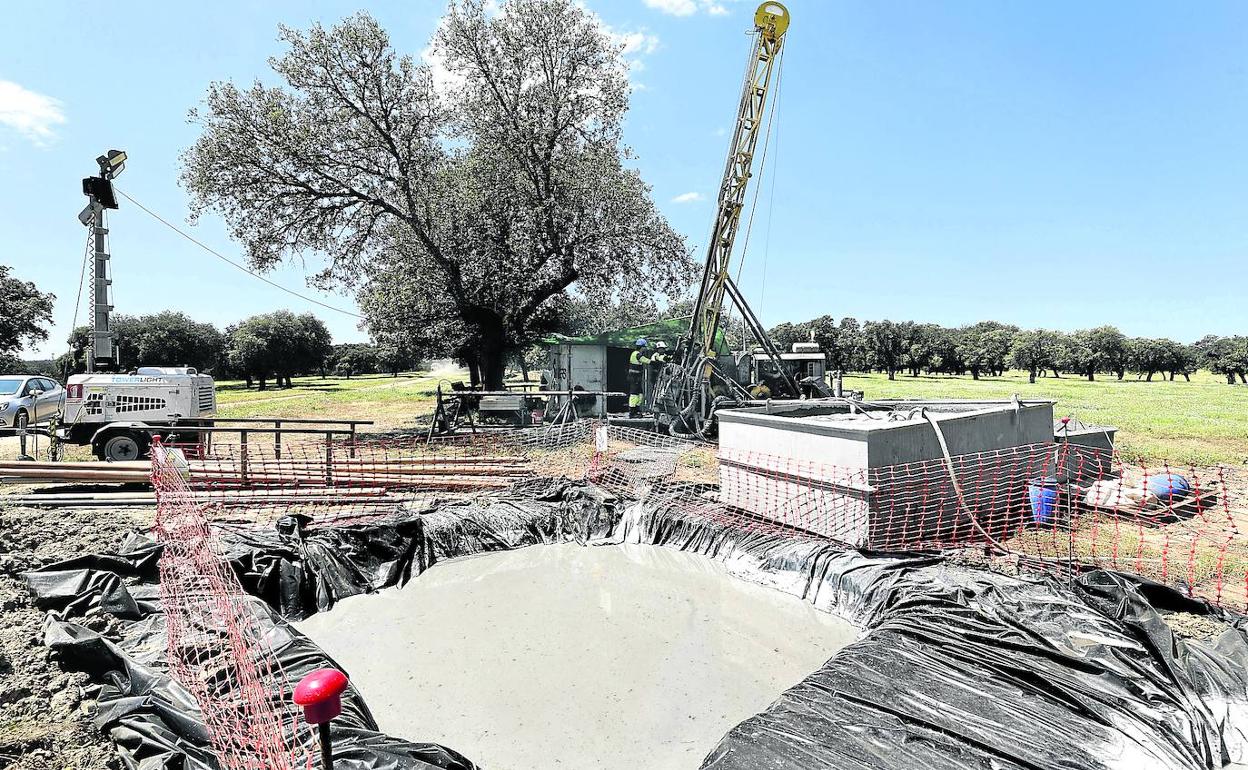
(638, 360)
(658, 358)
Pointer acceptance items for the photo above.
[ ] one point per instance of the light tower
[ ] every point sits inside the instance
(99, 191)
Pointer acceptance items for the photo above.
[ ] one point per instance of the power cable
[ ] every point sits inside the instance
(229, 261)
(82, 274)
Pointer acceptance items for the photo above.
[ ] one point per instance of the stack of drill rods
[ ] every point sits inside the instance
(392, 467)
(445, 473)
(249, 497)
(347, 480)
(421, 472)
(98, 473)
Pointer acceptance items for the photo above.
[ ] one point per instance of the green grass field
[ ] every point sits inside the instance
(1199, 422)
(390, 402)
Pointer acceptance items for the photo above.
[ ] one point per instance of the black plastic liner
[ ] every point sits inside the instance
(296, 570)
(960, 667)
(966, 668)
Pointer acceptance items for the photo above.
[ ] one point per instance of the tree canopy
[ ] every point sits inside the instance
(463, 217)
(277, 345)
(25, 313)
(167, 338)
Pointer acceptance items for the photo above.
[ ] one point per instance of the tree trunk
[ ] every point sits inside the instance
(1031, 376)
(1122, 373)
(250, 383)
(1187, 376)
(1172, 376)
(474, 370)
(1230, 378)
(1243, 379)
(1056, 373)
(892, 373)
(1149, 378)
(1091, 376)
(524, 368)
(974, 373)
(262, 382)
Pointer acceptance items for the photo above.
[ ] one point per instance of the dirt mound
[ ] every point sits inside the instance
(46, 714)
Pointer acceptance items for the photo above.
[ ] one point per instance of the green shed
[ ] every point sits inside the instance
(600, 361)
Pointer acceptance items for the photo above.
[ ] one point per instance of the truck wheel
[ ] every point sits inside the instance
(120, 447)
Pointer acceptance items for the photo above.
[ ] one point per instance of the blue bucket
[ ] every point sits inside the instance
(1043, 496)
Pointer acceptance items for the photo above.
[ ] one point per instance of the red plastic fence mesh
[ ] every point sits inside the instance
(216, 648)
(1054, 507)
(1050, 507)
(342, 481)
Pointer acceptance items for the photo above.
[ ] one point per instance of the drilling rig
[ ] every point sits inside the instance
(690, 390)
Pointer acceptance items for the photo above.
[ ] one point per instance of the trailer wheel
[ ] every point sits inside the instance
(122, 446)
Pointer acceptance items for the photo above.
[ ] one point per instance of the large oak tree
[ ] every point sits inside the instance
(463, 217)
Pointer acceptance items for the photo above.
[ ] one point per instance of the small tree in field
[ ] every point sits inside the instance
(1034, 351)
(885, 345)
(277, 345)
(461, 217)
(1077, 354)
(1227, 356)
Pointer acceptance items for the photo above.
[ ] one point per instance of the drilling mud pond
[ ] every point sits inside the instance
(577, 657)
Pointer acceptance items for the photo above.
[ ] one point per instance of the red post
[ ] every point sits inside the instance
(320, 695)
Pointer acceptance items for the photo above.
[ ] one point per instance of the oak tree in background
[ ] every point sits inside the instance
(25, 314)
(460, 217)
(354, 358)
(885, 345)
(167, 338)
(1227, 356)
(1034, 351)
(278, 345)
(985, 347)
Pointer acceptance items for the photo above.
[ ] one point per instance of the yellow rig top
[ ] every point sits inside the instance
(772, 19)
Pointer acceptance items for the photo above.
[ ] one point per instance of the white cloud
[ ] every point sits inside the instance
(635, 43)
(688, 7)
(31, 114)
(689, 197)
(674, 7)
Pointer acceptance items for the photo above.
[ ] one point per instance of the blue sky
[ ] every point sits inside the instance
(1057, 164)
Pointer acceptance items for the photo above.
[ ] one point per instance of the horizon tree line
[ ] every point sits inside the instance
(990, 348)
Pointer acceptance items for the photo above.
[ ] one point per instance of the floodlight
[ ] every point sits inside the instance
(111, 163)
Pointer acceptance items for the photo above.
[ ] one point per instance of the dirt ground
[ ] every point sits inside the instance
(46, 714)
